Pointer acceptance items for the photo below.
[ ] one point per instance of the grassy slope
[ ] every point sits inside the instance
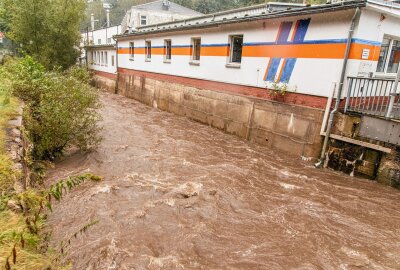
(13, 224)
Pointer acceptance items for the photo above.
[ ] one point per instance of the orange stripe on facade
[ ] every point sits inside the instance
(294, 31)
(181, 51)
(266, 71)
(279, 33)
(215, 51)
(328, 51)
(280, 72)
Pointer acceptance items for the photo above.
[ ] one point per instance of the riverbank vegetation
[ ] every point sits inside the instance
(60, 107)
(60, 111)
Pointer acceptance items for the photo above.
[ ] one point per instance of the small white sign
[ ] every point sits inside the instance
(365, 54)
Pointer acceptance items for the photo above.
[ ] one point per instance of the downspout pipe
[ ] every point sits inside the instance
(340, 89)
(116, 63)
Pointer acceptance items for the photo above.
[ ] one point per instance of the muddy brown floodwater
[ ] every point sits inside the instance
(181, 195)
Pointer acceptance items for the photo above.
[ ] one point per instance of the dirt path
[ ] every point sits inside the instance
(181, 195)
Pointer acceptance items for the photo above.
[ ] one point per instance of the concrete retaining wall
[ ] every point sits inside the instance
(291, 129)
(105, 83)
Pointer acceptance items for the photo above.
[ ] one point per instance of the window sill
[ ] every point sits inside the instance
(147, 60)
(381, 75)
(131, 59)
(194, 63)
(233, 65)
(167, 61)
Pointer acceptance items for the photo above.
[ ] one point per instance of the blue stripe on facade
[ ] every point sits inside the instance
(322, 41)
(284, 32)
(288, 69)
(273, 68)
(364, 41)
(301, 30)
(215, 45)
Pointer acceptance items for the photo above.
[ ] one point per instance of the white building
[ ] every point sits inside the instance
(100, 45)
(155, 12)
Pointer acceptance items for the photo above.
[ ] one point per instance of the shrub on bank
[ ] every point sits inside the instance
(60, 106)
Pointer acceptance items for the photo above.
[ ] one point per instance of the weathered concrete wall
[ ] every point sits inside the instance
(291, 129)
(108, 84)
(389, 169)
(361, 161)
(17, 145)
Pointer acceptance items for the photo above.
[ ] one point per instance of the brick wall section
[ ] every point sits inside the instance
(291, 98)
(289, 128)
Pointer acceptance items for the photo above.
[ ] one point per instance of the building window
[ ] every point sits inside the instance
(106, 59)
(167, 50)
(99, 41)
(236, 46)
(92, 58)
(143, 20)
(112, 60)
(102, 58)
(131, 50)
(196, 48)
(148, 50)
(389, 56)
(108, 40)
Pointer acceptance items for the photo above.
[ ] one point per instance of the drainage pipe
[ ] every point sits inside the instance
(116, 63)
(393, 94)
(340, 89)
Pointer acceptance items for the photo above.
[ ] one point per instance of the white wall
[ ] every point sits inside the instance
(311, 75)
(103, 35)
(106, 64)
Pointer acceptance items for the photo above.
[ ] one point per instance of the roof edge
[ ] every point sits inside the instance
(273, 15)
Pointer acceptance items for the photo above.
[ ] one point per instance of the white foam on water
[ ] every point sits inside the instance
(288, 186)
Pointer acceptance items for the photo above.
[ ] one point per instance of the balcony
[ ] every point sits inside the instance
(373, 97)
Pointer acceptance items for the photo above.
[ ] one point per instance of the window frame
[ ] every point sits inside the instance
(166, 59)
(141, 19)
(193, 59)
(230, 61)
(106, 58)
(132, 51)
(391, 39)
(113, 60)
(147, 50)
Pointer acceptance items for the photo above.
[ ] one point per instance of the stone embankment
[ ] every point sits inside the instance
(16, 144)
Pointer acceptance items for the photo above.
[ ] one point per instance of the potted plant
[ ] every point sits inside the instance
(279, 91)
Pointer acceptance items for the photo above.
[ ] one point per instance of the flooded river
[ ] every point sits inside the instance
(180, 195)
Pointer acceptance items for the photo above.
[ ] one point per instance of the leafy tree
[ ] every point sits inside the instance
(48, 30)
(61, 107)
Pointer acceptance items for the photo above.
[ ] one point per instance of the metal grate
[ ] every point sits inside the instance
(371, 96)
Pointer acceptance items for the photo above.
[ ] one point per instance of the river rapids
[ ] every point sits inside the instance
(178, 195)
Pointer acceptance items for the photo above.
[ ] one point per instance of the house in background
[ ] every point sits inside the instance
(155, 12)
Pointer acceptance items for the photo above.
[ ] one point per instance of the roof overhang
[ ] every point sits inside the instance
(385, 7)
(101, 46)
(309, 10)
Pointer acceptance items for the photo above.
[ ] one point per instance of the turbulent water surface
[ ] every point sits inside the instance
(180, 195)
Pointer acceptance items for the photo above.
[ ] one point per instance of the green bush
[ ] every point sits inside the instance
(61, 107)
